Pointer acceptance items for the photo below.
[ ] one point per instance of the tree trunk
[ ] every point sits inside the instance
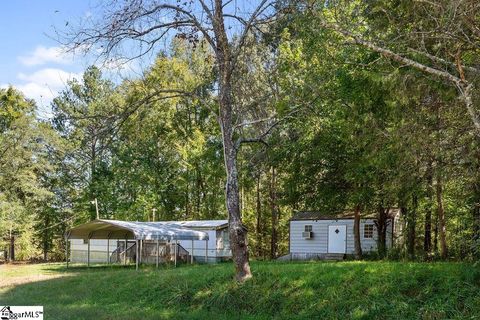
(410, 228)
(11, 256)
(259, 218)
(435, 234)
(476, 206)
(466, 95)
(237, 231)
(93, 177)
(275, 214)
(427, 240)
(476, 229)
(45, 239)
(356, 233)
(381, 225)
(187, 197)
(441, 218)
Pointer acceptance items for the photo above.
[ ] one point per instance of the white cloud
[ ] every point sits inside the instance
(51, 77)
(42, 55)
(40, 93)
(43, 85)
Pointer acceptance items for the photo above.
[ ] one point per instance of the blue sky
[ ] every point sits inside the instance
(30, 59)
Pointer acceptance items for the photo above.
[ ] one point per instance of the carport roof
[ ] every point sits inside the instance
(200, 224)
(115, 229)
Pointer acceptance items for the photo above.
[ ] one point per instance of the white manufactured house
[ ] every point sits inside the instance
(218, 239)
(314, 235)
(111, 241)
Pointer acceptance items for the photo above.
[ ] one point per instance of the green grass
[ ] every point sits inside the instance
(315, 290)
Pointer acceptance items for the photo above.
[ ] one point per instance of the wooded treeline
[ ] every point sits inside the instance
(336, 105)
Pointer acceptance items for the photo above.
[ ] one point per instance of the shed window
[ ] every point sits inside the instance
(368, 231)
(308, 228)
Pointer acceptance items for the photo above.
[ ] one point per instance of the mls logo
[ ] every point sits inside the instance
(5, 313)
(21, 312)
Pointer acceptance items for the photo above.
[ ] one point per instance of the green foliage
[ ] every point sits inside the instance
(24, 164)
(340, 126)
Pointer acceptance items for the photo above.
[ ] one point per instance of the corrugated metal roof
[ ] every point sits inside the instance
(316, 215)
(135, 230)
(200, 223)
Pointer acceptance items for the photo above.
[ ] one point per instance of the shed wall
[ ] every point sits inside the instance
(319, 243)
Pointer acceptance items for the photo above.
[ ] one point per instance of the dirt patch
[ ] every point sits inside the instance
(8, 278)
(15, 281)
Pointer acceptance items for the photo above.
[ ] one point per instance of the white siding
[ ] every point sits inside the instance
(216, 245)
(319, 243)
(199, 245)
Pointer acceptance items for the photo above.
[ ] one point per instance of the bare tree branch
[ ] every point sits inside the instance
(464, 87)
(442, 61)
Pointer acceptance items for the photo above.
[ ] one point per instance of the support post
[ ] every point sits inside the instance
(141, 251)
(158, 253)
(88, 251)
(206, 251)
(136, 250)
(108, 249)
(176, 249)
(96, 208)
(66, 250)
(125, 252)
(191, 255)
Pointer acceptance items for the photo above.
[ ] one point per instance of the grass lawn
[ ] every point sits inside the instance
(310, 290)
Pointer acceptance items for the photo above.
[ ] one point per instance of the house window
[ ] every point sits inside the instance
(308, 228)
(224, 240)
(368, 231)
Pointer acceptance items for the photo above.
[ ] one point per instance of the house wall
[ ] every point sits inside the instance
(319, 243)
(218, 248)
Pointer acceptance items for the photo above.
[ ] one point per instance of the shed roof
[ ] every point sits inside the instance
(103, 229)
(316, 215)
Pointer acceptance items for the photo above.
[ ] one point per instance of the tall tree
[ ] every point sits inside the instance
(85, 116)
(24, 195)
(150, 22)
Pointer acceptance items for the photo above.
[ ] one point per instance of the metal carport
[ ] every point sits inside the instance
(138, 231)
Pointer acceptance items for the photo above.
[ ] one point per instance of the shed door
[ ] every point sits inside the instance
(337, 239)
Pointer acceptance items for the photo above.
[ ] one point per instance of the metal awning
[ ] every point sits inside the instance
(199, 224)
(115, 229)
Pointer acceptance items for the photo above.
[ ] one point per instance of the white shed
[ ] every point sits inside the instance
(316, 235)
